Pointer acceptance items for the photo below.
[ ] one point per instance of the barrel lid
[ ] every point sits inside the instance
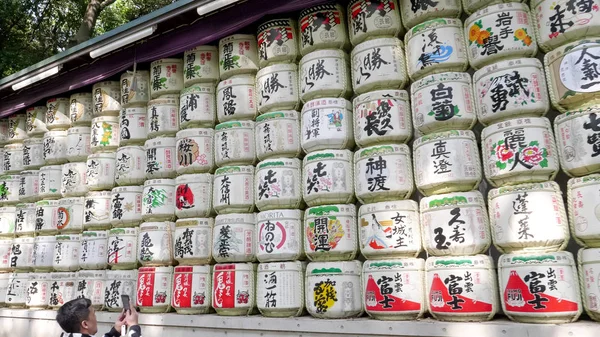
(26, 205)
(102, 155)
(56, 133)
(57, 100)
(569, 115)
(7, 177)
(155, 270)
(319, 8)
(247, 169)
(60, 275)
(381, 150)
(98, 194)
(340, 210)
(433, 24)
(139, 110)
(235, 125)
(52, 203)
(234, 267)
(276, 68)
(52, 167)
(161, 181)
(8, 209)
(297, 266)
(283, 22)
(457, 134)
(194, 222)
(123, 231)
(197, 132)
(377, 43)
(334, 268)
(164, 101)
(39, 107)
(381, 94)
(14, 146)
(79, 129)
(589, 255)
(30, 173)
(324, 53)
(105, 84)
(121, 274)
(197, 88)
(279, 214)
(166, 61)
(138, 73)
(493, 9)
(204, 269)
(578, 182)
(202, 48)
(203, 178)
(236, 37)
(279, 163)
(414, 264)
(507, 65)
(71, 201)
(94, 234)
(398, 205)
(160, 141)
(111, 119)
(68, 237)
(345, 155)
(459, 262)
(235, 219)
(24, 239)
(237, 80)
(548, 186)
(158, 225)
(45, 238)
(121, 189)
(284, 114)
(435, 79)
(472, 198)
(92, 274)
(79, 95)
(324, 103)
(31, 141)
(557, 258)
(40, 276)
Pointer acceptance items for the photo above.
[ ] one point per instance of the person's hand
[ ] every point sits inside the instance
(120, 321)
(131, 317)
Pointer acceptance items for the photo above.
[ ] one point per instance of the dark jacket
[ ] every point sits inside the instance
(134, 331)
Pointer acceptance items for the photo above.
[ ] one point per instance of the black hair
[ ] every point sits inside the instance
(72, 313)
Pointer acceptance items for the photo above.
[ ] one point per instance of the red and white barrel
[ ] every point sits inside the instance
(191, 290)
(368, 20)
(233, 289)
(278, 42)
(193, 195)
(323, 26)
(154, 289)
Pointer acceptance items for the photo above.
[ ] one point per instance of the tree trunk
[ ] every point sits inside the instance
(88, 23)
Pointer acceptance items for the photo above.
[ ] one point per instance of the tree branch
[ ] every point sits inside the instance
(106, 3)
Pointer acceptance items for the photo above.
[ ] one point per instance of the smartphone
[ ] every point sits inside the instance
(125, 299)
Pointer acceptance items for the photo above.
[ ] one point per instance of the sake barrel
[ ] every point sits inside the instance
(233, 289)
(323, 26)
(197, 106)
(327, 124)
(461, 288)
(132, 125)
(158, 200)
(381, 117)
(105, 134)
(278, 42)
(100, 172)
(107, 98)
(166, 77)
(13, 158)
(55, 147)
(92, 252)
(238, 180)
(528, 218)
(394, 289)
(9, 194)
(238, 54)
(236, 99)
(130, 165)
(446, 162)
(280, 289)
(162, 117)
(126, 206)
(510, 89)
(325, 73)
(588, 260)
(195, 151)
(50, 179)
(277, 88)
(375, 180)
(327, 177)
(519, 151)
(90, 285)
(443, 102)
(69, 215)
(38, 291)
(155, 243)
(119, 282)
(4, 277)
(160, 157)
(328, 284)
(66, 252)
(378, 64)
(201, 65)
(29, 186)
(277, 184)
(193, 195)
(33, 153)
(135, 88)
(45, 217)
(96, 211)
(7, 221)
(35, 121)
(584, 216)
(539, 288)
(471, 6)
(455, 224)
(58, 113)
(277, 134)
(74, 180)
(5, 250)
(43, 253)
(17, 128)
(279, 233)
(233, 143)
(191, 287)
(81, 108)
(122, 248)
(233, 238)
(78, 143)
(4, 130)
(558, 24)
(16, 292)
(193, 241)
(389, 229)
(25, 219)
(367, 20)
(578, 157)
(330, 233)
(21, 254)
(426, 54)
(572, 76)
(414, 13)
